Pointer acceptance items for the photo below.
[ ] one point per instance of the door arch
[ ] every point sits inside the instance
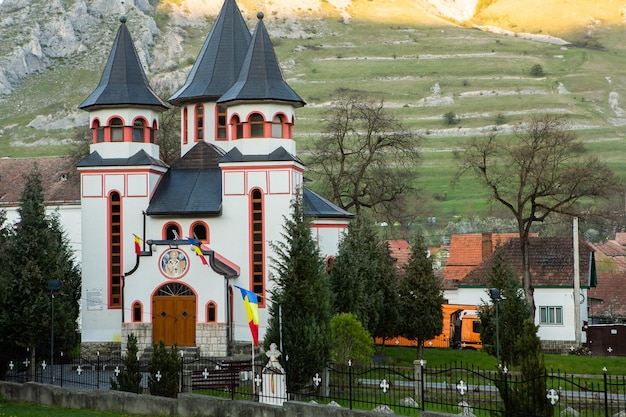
(174, 315)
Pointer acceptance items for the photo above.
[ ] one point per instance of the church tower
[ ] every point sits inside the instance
(117, 179)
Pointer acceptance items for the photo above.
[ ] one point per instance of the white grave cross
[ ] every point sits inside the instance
(205, 374)
(461, 387)
(158, 376)
(384, 385)
(117, 371)
(553, 396)
(317, 379)
(43, 365)
(258, 380)
(79, 370)
(11, 365)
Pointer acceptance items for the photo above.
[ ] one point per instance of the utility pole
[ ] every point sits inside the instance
(577, 322)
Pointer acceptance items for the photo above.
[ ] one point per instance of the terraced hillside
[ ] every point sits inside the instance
(421, 65)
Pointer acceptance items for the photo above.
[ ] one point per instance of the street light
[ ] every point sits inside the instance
(53, 285)
(494, 293)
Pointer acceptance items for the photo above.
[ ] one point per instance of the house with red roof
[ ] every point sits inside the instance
(552, 272)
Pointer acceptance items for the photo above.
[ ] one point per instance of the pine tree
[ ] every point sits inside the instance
(129, 378)
(164, 366)
(510, 310)
(363, 278)
(421, 298)
(526, 395)
(34, 252)
(302, 294)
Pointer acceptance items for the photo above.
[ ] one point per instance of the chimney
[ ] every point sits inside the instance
(487, 246)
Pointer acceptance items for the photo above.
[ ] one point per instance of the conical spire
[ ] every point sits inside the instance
(123, 81)
(220, 58)
(260, 77)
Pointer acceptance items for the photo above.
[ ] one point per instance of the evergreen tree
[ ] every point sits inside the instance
(164, 366)
(421, 298)
(363, 279)
(526, 395)
(302, 294)
(510, 310)
(35, 251)
(129, 378)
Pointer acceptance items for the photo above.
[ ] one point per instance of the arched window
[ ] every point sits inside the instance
(237, 127)
(172, 232)
(199, 122)
(258, 245)
(211, 312)
(117, 130)
(153, 131)
(200, 232)
(98, 132)
(185, 125)
(330, 264)
(221, 122)
(137, 313)
(277, 126)
(139, 127)
(115, 250)
(257, 126)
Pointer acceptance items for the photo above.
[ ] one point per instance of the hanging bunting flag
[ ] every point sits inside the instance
(252, 311)
(196, 247)
(137, 244)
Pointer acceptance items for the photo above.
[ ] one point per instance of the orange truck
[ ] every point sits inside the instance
(461, 330)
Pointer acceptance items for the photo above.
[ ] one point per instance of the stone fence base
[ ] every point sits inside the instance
(186, 405)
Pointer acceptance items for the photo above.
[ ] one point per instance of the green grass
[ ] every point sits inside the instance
(570, 364)
(15, 409)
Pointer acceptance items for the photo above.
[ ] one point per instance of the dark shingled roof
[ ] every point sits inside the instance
(123, 81)
(192, 186)
(317, 206)
(279, 154)
(140, 158)
(59, 178)
(260, 77)
(220, 58)
(551, 263)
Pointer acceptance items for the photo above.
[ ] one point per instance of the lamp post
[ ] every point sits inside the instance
(494, 293)
(53, 285)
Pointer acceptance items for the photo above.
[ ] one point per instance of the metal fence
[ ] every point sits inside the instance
(455, 388)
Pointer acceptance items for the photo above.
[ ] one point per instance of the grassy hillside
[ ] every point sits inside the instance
(423, 66)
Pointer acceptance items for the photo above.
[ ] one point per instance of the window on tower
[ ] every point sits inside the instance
(258, 245)
(117, 130)
(221, 122)
(185, 125)
(211, 312)
(257, 126)
(139, 127)
(115, 251)
(277, 126)
(199, 122)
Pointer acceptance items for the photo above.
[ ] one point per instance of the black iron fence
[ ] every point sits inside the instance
(454, 389)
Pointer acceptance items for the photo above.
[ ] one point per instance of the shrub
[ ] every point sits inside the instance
(129, 377)
(351, 341)
(537, 71)
(450, 117)
(164, 366)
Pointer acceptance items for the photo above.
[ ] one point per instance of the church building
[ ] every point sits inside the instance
(164, 247)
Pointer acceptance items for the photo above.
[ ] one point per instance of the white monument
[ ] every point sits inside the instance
(274, 390)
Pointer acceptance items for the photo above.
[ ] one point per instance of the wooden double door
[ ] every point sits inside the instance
(174, 316)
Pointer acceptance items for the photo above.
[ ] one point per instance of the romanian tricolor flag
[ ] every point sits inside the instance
(252, 311)
(137, 244)
(196, 247)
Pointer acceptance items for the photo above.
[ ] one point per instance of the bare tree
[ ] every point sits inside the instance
(365, 156)
(542, 170)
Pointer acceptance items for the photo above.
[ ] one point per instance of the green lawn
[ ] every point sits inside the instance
(11, 409)
(570, 364)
